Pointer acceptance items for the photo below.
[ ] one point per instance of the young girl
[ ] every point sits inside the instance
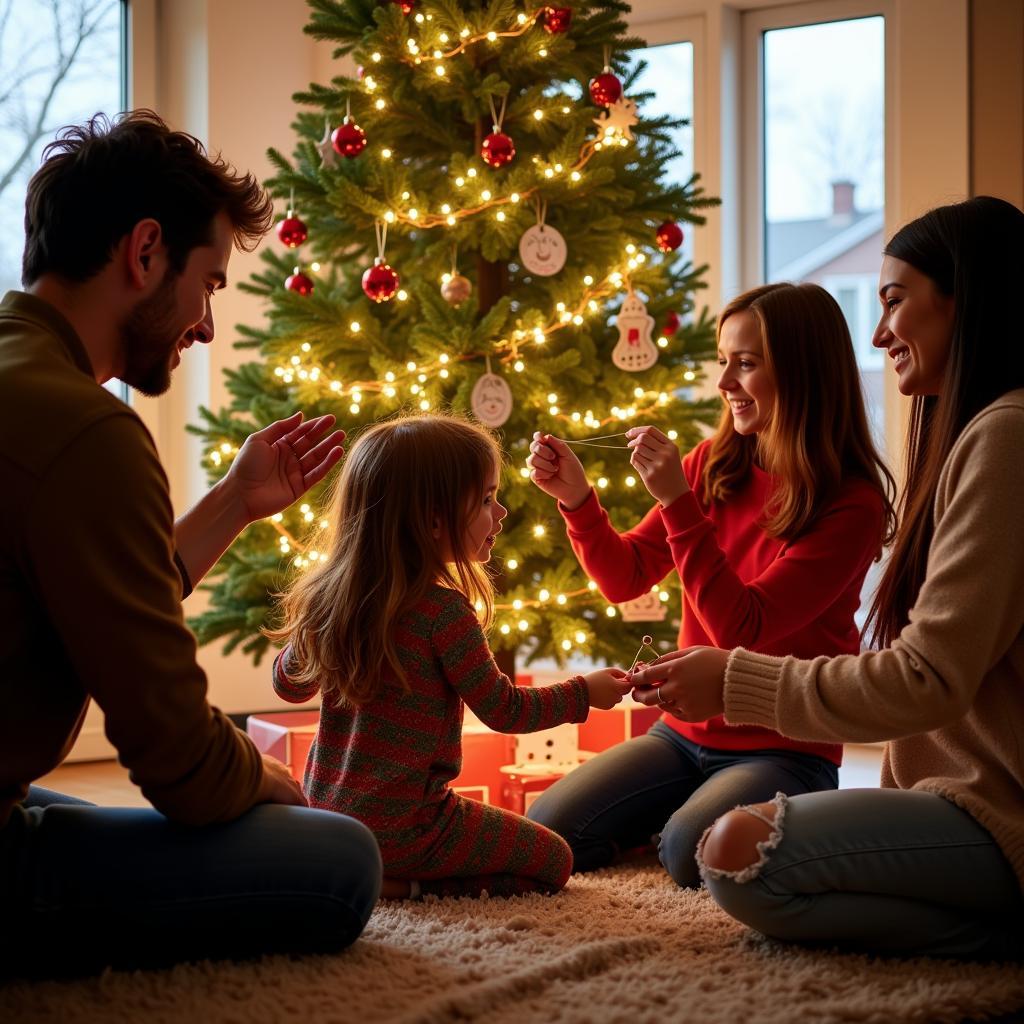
(933, 862)
(385, 629)
(771, 524)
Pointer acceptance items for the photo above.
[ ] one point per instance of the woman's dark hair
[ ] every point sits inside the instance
(99, 179)
(974, 252)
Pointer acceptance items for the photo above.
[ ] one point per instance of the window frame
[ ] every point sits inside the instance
(754, 25)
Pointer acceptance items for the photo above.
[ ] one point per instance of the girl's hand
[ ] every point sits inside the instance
(657, 461)
(687, 684)
(556, 471)
(607, 687)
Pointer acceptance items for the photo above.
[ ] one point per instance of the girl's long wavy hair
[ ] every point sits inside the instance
(974, 252)
(401, 481)
(817, 432)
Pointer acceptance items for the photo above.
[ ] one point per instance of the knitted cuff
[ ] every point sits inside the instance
(751, 688)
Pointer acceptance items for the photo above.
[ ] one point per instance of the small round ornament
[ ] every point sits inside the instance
(671, 323)
(605, 88)
(669, 236)
(491, 400)
(299, 282)
(291, 231)
(497, 149)
(542, 250)
(380, 282)
(348, 139)
(556, 20)
(456, 289)
(406, 5)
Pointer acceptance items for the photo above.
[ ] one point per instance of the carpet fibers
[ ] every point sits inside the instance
(621, 945)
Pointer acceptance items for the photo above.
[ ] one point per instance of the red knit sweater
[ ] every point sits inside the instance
(741, 587)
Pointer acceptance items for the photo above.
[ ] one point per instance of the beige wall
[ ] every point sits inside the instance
(226, 70)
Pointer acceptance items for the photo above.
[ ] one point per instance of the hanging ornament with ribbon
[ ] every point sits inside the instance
(491, 399)
(292, 231)
(380, 282)
(455, 288)
(498, 148)
(299, 282)
(605, 88)
(542, 249)
(348, 139)
(634, 350)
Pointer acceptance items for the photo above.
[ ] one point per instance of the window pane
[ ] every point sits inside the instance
(824, 132)
(669, 75)
(60, 63)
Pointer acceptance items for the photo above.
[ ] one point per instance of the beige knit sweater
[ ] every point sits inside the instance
(949, 694)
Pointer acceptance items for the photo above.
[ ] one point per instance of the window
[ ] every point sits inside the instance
(669, 76)
(60, 63)
(819, 116)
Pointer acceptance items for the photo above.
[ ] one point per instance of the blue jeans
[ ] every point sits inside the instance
(884, 871)
(662, 785)
(82, 887)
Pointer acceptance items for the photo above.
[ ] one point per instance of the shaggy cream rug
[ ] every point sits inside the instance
(620, 945)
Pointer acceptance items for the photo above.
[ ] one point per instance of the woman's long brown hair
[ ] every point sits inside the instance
(401, 481)
(974, 252)
(817, 432)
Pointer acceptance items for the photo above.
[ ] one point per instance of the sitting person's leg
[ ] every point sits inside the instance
(878, 870)
(735, 777)
(83, 887)
(489, 848)
(619, 799)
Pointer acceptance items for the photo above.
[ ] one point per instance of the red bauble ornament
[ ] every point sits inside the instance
(605, 89)
(380, 282)
(406, 5)
(292, 231)
(671, 323)
(669, 236)
(298, 282)
(348, 139)
(497, 149)
(557, 19)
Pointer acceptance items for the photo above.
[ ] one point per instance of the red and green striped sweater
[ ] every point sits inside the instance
(389, 762)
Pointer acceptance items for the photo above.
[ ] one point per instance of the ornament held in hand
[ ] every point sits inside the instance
(299, 282)
(456, 289)
(669, 236)
(497, 149)
(605, 88)
(292, 231)
(380, 282)
(634, 350)
(348, 139)
(556, 20)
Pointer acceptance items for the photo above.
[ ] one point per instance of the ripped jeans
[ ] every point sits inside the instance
(878, 870)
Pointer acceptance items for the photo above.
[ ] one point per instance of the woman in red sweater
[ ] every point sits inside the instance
(771, 524)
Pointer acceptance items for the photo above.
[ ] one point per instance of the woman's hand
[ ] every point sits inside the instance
(657, 461)
(607, 687)
(687, 684)
(556, 471)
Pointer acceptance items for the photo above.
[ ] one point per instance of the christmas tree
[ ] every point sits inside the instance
(480, 220)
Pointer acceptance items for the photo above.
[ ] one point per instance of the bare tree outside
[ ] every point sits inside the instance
(60, 63)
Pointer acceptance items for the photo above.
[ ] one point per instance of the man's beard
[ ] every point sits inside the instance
(150, 336)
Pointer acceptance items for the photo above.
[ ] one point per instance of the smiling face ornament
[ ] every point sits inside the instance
(542, 250)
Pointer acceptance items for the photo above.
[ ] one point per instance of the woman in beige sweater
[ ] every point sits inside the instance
(933, 862)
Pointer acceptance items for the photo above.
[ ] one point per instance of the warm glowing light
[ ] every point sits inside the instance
(566, 645)
(544, 594)
(610, 612)
(500, 215)
(602, 482)
(511, 563)
(631, 481)
(524, 625)
(538, 115)
(539, 530)
(355, 327)
(380, 104)
(386, 153)
(390, 216)
(581, 637)
(519, 366)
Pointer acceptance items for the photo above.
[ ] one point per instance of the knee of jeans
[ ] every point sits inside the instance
(356, 879)
(677, 851)
(738, 844)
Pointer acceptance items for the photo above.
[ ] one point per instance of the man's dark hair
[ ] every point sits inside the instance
(99, 179)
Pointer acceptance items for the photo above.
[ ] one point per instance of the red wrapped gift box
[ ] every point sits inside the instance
(286, 735)
(603, 729)
(483, 754)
